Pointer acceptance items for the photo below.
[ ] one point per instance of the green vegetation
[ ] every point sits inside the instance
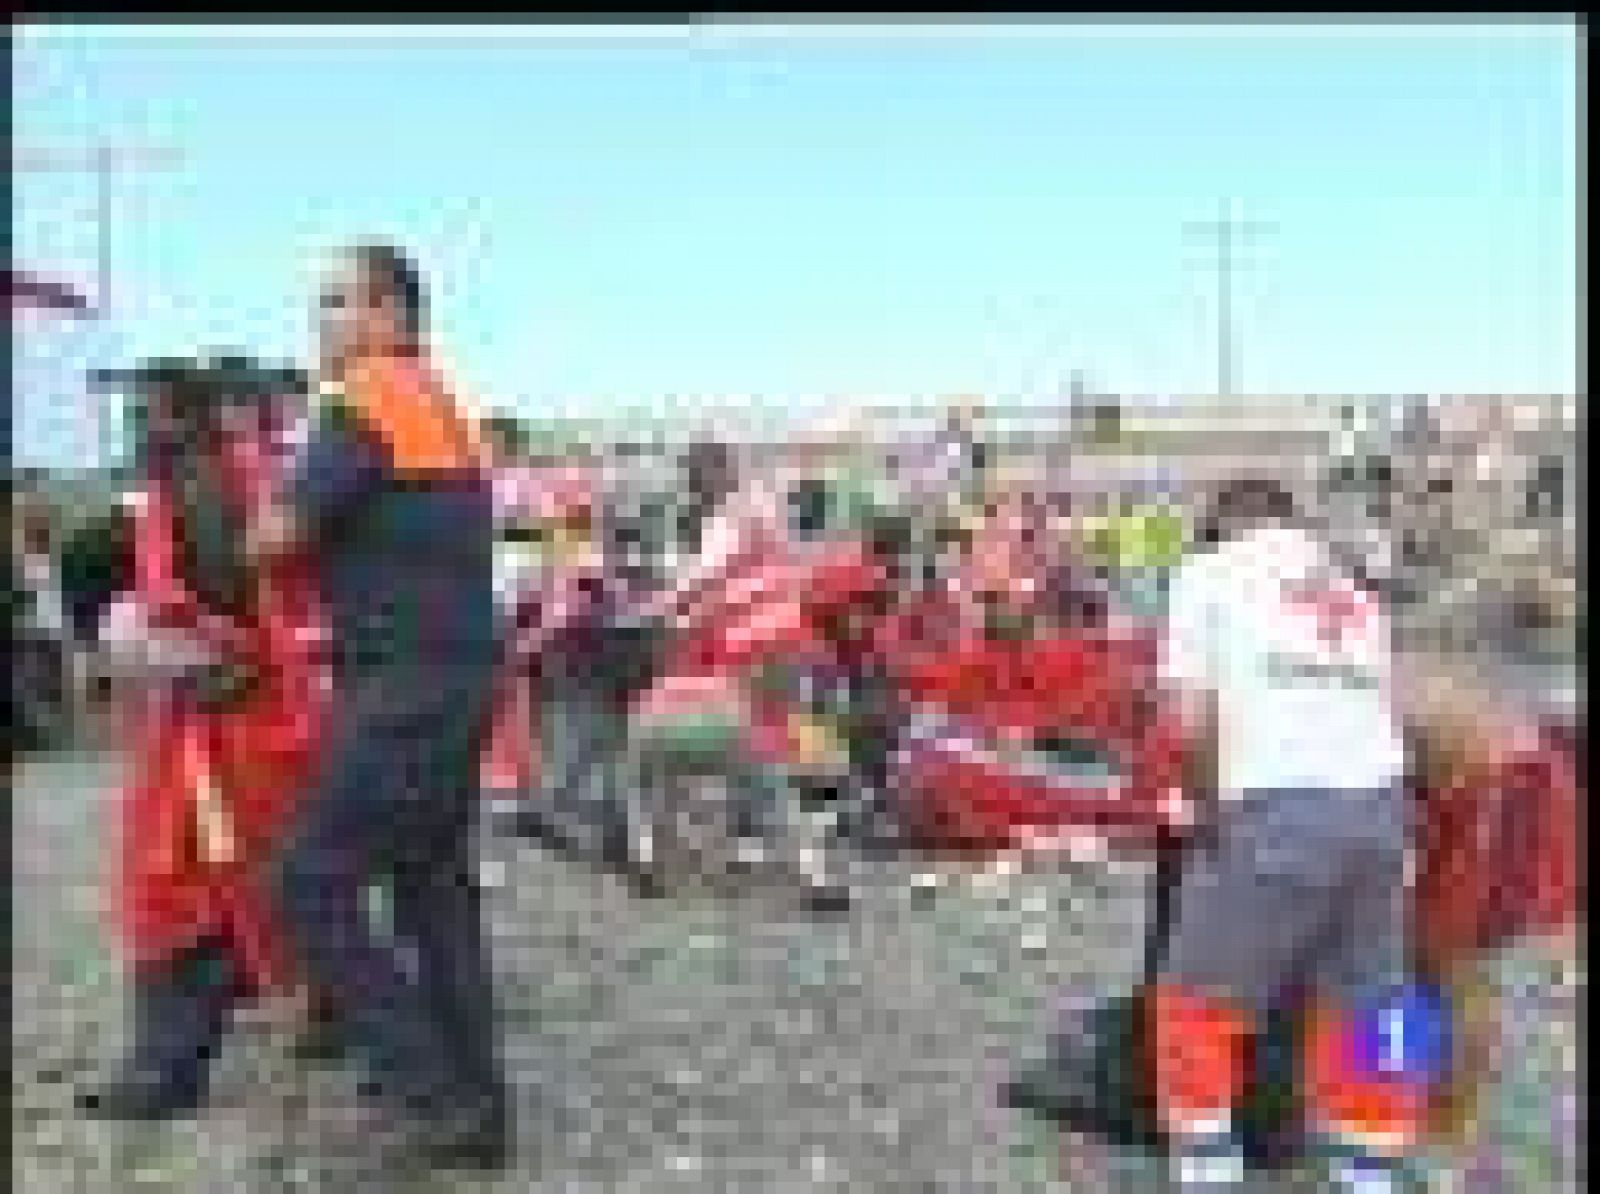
(1149, 537)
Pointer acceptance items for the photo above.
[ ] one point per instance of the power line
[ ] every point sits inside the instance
(1228, 232)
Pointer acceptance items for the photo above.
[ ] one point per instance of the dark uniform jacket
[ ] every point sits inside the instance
(393, 489)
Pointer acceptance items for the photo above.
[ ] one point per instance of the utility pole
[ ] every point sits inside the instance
(104, 162)
(1229, 233)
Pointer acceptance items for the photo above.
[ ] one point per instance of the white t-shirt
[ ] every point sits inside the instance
(1299, 659)
(740, 544)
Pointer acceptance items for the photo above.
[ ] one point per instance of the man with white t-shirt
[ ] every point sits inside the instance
(1281, 664)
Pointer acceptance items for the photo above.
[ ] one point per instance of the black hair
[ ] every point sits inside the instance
(509, 433)
(891, 539)
(810, 505)
(710, 474)
(395, 275)
(1243, 503)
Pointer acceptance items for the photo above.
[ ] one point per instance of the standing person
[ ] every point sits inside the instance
(1282, 666)
(392, 496)
(1075, 597)
(45, 659)
(589, 657)
(17, 603)
(96, 567)
(946, 468)
(520, 492)
(223, 734)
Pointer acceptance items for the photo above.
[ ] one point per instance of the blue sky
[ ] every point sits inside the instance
(885, 215)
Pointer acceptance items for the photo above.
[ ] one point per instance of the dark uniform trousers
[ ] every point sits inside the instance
(397, 804)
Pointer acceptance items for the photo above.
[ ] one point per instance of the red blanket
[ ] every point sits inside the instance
(970, 773)
(1501, 856)
(174, 885)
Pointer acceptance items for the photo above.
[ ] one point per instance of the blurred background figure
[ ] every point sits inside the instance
(586, 654)
(946, 467)
(44, 666)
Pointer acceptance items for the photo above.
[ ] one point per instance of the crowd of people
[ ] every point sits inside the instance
(333, 593)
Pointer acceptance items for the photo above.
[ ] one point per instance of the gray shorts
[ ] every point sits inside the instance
(1298, 889)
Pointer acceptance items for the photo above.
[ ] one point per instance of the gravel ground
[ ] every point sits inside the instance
(686, 1045)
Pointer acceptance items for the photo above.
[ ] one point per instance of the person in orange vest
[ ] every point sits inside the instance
(393, 496)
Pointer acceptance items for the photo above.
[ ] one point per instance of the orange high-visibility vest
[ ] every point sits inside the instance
(406, 405)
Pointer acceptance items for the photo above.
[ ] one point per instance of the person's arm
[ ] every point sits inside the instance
(725, 538)
(339, 465)
(157, 623)
(1189, 679)
(554, 604)
(542, 611)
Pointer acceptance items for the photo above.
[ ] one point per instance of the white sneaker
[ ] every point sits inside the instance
(1208, 1163)
(1364, 1177)
(1220, 1171)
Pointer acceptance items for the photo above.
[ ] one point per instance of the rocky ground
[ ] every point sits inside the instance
(685, 1045)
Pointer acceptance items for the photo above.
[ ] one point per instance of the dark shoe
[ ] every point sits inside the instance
(180, 1015)
(828, 900)
(478, 1137)
(564, 835)
(142, 1096)
(871, 824)
(324, 1041)
(530, 822)
(643, 881)
(619, 854)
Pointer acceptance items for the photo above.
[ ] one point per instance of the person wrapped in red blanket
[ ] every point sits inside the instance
(749, 598)
(222, 728)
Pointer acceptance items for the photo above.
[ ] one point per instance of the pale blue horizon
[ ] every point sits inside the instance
(797, 217)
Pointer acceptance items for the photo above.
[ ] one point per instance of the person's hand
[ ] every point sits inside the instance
(272, 535)
(659, 607)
